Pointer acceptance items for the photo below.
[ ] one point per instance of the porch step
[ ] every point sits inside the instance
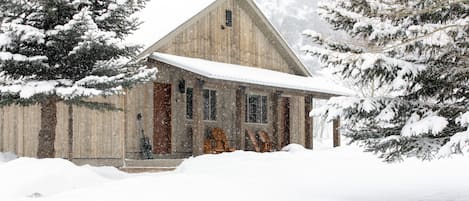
(146, 169)
(154, 163)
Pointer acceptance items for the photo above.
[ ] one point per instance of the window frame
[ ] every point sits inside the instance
(229, 18)
(261, 110)
(212, 107)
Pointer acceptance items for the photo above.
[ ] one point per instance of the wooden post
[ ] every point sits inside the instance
(336, 132)
(275, 119)
(70, 132)
(126, 127)
(198, 126)
(2, 122)
(308, 122)
(278, 111)
(240, 114)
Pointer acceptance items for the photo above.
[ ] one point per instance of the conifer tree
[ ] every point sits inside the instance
(418, 50)
(66, 50)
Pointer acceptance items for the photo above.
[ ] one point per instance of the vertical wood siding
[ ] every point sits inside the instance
(18, 126)
(243, 43)
(138, 100)
(97, 134)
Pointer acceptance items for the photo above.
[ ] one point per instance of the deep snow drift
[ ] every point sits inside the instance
(294, 174)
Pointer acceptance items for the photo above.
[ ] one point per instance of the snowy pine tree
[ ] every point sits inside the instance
(66, 50)
(418, 50)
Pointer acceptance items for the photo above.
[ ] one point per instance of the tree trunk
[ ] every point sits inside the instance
(47, 133)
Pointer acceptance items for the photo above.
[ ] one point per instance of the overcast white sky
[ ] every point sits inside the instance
(160, 17)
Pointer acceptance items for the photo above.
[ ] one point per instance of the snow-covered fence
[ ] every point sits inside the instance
(99, 137)
(96, 133)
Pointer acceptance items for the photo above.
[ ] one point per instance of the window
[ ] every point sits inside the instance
(210, 105)
(256, 109)
(229, 18)
(189, 95)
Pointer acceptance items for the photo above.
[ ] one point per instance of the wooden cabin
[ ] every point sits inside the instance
(226, 69)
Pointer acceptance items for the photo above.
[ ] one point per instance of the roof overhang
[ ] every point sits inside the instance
(252, 75)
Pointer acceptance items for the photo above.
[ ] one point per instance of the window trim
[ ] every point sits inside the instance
(209, 119)
(262, 112)
(229, 18)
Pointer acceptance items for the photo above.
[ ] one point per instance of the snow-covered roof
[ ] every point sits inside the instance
(252, 75)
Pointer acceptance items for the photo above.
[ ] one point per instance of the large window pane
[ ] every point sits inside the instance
(213, 105)
(253, 108)
(256, 109)
(264, 109)
(210, 104)
(206, 95)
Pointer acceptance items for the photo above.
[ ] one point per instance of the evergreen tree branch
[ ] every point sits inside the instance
(406, 13)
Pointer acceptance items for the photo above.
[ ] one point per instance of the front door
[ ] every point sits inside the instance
(162, 119)
(285, 122)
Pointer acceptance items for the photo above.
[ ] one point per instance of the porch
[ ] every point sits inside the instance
(252, 112)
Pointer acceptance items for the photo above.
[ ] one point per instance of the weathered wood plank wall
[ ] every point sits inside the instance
(97, 134)
(17, 126)
(243, 44)
(137, 100)
(297, 120)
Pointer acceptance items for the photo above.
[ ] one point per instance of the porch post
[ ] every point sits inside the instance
(336, 132)
(198, 126)
(278, 111)
(308, 122)
(240, 114)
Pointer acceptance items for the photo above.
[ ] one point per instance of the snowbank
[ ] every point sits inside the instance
(294, 148)
(28, 177)
(342, 174)
(5, 157)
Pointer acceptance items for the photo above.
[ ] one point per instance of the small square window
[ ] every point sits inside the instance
(229, 18)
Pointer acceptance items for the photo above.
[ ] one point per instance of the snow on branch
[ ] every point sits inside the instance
(437, 36)
(359, 64)
(431, 124)
(404, 11)
(24, 33)
(458, 143)
(5, 40)
(5, 56)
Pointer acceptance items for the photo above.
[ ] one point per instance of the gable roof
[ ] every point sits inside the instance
(252, 75)
(260, 20)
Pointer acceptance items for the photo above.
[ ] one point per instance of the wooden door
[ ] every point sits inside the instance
(162, 119)
(285, 121)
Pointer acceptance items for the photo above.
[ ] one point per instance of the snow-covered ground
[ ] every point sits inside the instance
(345, 174)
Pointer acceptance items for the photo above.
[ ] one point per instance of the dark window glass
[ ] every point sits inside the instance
(189, 110)
(206, 95)
(252, 108)
(229, 18)
(264, 109)
(256, 109)
(213, 105)
(210, 104)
